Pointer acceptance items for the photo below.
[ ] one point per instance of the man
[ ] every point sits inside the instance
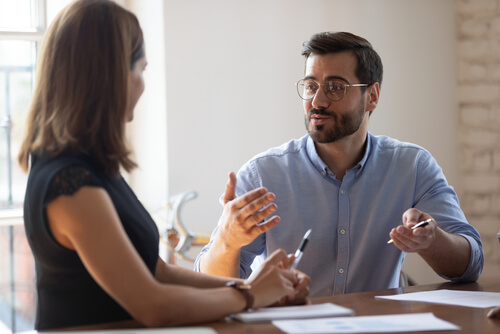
(350, 187)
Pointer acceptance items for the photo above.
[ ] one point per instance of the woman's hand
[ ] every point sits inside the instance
(301, 291)
(494, 313)
(301, 288)
(275, 284)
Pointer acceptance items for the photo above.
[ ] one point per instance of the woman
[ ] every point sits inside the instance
(494, 313)
(95, 246)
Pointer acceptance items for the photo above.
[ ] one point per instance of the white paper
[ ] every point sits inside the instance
(413, 322)
(478, 299)
(293, 312)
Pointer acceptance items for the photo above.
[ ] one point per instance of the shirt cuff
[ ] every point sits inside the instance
(476, 261)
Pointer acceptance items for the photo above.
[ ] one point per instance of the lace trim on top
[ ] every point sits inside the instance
(69, 180)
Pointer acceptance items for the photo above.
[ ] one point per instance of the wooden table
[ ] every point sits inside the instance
(471, 320)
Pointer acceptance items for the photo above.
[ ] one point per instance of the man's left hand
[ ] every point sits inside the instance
(414, 240)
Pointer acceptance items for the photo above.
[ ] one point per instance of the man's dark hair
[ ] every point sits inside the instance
(369, 68)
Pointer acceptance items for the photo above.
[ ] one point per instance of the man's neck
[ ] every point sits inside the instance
(343, 154)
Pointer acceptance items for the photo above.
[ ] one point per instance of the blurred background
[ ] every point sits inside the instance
(220, 89)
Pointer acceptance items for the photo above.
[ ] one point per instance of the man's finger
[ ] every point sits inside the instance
(230, 192)
(253, 200)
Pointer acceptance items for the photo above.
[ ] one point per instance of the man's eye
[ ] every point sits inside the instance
(335, 86)
(311, 87)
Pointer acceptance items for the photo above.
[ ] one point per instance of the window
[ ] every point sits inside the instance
(22, 25)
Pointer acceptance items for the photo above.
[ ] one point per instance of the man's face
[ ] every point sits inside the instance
(326, 120)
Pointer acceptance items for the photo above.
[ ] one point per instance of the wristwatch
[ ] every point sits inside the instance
(246, 291)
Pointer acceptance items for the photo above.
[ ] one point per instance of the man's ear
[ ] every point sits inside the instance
(373, 92)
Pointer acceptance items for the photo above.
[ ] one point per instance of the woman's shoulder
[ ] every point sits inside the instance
(69, 180)
(62, 174)
(48, 162)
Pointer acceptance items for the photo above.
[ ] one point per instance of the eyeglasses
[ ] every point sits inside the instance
(334, 89)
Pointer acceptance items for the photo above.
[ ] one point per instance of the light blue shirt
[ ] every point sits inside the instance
(351, 219)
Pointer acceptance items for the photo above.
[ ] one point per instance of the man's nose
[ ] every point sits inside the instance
(320, 100)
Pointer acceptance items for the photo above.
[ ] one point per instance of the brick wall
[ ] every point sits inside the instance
(478, 93)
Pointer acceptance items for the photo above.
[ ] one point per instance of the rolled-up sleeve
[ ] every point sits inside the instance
(437, 198)
(476, 260)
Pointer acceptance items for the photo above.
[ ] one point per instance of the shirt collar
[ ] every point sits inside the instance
(314, 157)
(368, 149)
(323, 168)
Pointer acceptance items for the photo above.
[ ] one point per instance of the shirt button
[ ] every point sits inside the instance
(341, 271)
(342, 191)
(342, 231)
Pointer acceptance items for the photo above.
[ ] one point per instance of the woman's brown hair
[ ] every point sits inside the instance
(80, 100)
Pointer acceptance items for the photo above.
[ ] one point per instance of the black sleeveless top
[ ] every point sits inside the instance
(66, 293)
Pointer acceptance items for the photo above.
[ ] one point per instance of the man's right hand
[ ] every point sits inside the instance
(242, 215)
(241, 224)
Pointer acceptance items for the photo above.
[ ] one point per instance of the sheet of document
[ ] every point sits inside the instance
(293, 312)
(478, 299)
(367, 324)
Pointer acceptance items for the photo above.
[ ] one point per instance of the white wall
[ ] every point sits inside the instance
(231, 68)
(148, 130)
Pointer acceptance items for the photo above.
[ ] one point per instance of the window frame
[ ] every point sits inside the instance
(10, 217)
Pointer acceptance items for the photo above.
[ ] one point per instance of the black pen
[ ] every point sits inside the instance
(300, 250)
(421, 224)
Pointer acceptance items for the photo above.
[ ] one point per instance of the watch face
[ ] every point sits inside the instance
(238, 285)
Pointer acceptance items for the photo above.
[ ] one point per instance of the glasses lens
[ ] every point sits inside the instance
(307, 89)
(335, 90)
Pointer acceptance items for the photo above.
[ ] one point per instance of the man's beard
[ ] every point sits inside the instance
(343, 126)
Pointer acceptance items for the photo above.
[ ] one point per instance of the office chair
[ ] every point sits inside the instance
(174, 233)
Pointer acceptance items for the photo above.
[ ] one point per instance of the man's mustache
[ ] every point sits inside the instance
(321, 112)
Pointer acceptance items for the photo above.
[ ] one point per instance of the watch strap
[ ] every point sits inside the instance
(245, 290)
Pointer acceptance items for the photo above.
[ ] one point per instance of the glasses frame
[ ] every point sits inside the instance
(346, 85)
